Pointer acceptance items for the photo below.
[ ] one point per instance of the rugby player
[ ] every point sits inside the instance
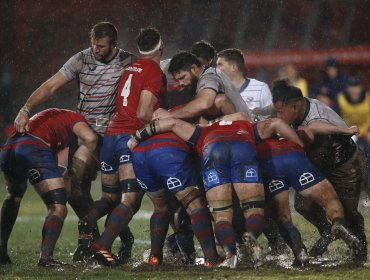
(139, 93)
(97, 71)
(163, 166)
(229, 162)
(337, 157)
(284, 164)
(256, 94)
(32, 155)
(207, 83)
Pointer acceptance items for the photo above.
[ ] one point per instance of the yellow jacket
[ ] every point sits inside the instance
(356, 113)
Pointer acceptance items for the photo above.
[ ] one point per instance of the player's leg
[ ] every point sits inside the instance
(194, 202)
(348, 181)
(279, 203)
(220, 202)
(159, 223)
(82, 170)
(246, 180)
(9, 213)
(111, 189)
(54, 195)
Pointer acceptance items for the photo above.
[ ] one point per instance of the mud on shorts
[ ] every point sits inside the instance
(351, 177)
(226, 162)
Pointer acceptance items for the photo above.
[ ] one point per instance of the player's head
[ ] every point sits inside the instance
(231, 62)
(186, 69)
(204, 51)
(287, 101)
(103, 37)
(149, 42)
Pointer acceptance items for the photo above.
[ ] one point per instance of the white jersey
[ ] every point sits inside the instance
(256, 94)
(218, 81)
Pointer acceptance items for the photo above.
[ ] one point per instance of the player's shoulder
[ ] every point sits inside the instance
(126, 56)
(256, 83)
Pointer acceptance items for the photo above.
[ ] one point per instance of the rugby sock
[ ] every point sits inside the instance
(117, 222)
(226, 237)
(159, 223)
(99, 209)
(9, 213)
(50, 234)
(291, 236)
(202, 228)
(255, 224)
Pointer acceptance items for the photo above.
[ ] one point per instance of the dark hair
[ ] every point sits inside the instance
(285, 93)
(103, 29)
(147, 39)
(203, 49)
(233, 56)
(183, 61)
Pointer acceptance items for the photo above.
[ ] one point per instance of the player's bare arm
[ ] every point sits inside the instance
(203, 101)
(146, 106)
(38, 97)
(322, 128)
(86, 135)
(275, 126)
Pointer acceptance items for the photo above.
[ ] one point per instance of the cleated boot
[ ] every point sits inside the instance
(124, 253)
(321, 245)
(103, 255)
(50, 262)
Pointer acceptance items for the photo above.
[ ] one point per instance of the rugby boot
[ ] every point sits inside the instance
(155, 260)
(4, 257)
(85, 238)
(50, 262)
(127, 241)
(321, 245)
(103, 255)
(340, 231)
(254, 251)
(301, 258)
(230, 262)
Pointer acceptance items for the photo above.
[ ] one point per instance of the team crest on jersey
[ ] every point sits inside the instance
(251, 174)
(33, 174)
(105, 166)
(306, 178)
(124, 158)
(173, 183)
(276, 185)
(211, 178)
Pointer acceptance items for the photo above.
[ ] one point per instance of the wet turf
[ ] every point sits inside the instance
(25, 241)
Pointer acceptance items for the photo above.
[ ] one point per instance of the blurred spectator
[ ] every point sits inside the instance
(331, 84)
(354, 107)
(290, 72)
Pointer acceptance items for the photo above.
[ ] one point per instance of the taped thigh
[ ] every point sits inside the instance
(188, 195)
(220, 206)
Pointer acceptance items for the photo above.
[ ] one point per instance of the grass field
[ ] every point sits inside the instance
(25, 242)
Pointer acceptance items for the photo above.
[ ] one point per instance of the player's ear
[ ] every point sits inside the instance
(114, 44)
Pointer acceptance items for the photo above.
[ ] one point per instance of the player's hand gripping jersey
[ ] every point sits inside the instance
(144, 74)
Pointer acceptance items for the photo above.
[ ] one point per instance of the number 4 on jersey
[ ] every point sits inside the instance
(126, 90)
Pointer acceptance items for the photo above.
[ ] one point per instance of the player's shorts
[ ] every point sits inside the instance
(286, 170)
(351, 177)
(114, 153)
(226, 162)
(164, 167)
(28, 157)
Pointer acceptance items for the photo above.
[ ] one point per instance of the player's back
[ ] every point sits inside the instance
(143, 74)
(55, 127)
(225, 131)
(163, 140)
(270, 147)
